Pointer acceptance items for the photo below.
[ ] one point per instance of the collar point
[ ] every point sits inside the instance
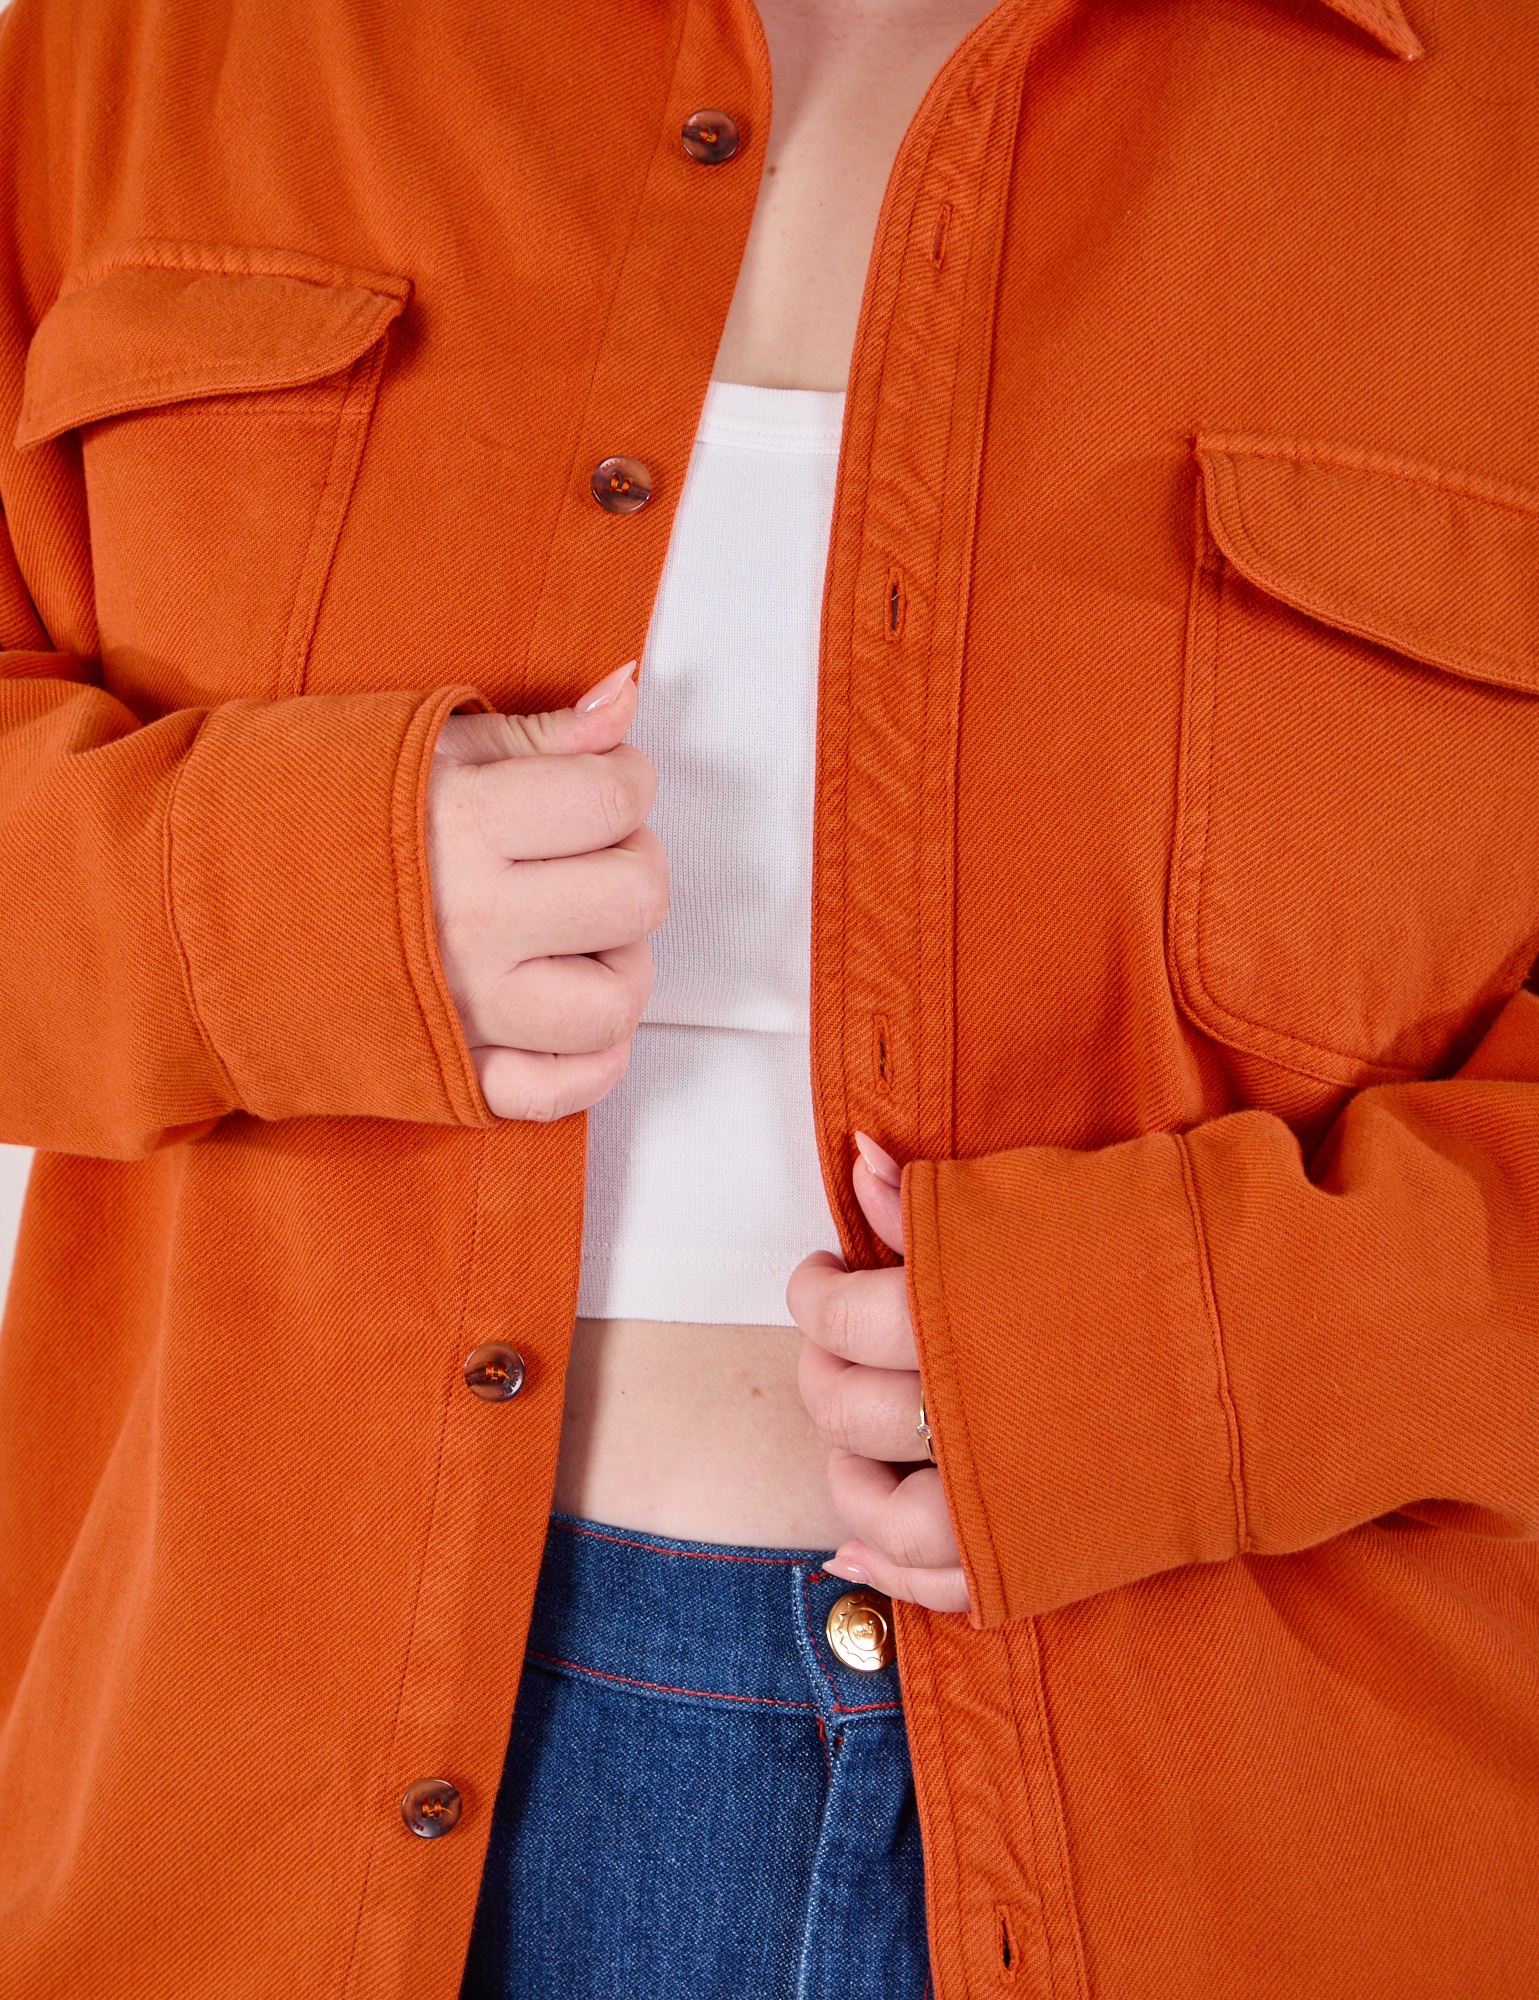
(1386, 22)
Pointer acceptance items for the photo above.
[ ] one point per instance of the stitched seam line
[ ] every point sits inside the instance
(919, 1658)
(1283, 1043)
(579, 426)
(661, 1687)
(697, 1555)
(183, 957)
(391, 1756)
(1226, 1399)
(290, 683)
(1059, 1832)
(1388, 465)
(812, 1635)
(1013, 101)
(349, 435)
(187, 384)
(281, 376)
(1344, 615)
(431, 989)
(229, 260)
(932, 1203)
(836, 1176)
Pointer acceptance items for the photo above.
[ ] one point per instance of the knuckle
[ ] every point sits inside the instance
(904, 1541)
(485, 803)
(615, 800)
(624, 1017)
(835, 1320)
(840, 1414)
(614, 1018)
(643, 776)
(509, 735)
(909, 1528)
(517, 1087)
(594, 1080)
(532, 735)
(829, 1417)
(654, 904)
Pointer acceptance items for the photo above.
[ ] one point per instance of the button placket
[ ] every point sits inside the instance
(670, 296)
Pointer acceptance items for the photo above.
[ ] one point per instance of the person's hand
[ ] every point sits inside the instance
(545, 885)
(859, 1377)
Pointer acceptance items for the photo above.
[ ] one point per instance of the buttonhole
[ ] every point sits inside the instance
(896, 605)
(938, 243)
(1022, 1945)
(881, 1051)
(1009, 1950)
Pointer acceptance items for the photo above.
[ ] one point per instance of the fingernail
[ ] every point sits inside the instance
(607, 690)
(849, 1572)
(878, 1162)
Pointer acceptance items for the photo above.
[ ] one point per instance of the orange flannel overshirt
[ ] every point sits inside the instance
(1176, 880)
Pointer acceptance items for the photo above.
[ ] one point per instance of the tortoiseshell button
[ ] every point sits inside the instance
(431, 1808)
(621, 485)
(494, 1372)
(710, 137)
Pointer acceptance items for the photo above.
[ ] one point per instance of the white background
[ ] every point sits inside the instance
(13, 1179)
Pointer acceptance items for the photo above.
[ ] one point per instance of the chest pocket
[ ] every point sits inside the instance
(222, 397)
(1356, 867)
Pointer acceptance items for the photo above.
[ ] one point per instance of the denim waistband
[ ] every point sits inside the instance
(698, 1622)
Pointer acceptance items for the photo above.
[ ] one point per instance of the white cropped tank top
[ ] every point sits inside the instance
(703, 1187)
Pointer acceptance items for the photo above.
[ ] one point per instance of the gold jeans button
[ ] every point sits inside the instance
(860, 1630)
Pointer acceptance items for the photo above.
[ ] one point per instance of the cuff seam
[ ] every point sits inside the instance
(958, 1412)
(430, 989)
(1220, 1362)
(168, 892)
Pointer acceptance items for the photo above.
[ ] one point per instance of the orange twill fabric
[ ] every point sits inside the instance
(1177, 877)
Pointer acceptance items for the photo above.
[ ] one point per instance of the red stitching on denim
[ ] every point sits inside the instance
(843, 1707)
(660, 1687)
(701, 1555)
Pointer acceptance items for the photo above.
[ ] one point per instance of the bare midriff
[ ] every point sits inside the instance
(693, 1431)
(675, 1428)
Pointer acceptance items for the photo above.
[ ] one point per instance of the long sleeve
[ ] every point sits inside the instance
(207, 904)
(1191, 1346)
(219, 910)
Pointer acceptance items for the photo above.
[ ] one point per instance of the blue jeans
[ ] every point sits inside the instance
(700, 1799)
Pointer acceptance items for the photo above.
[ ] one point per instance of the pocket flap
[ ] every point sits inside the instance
(162, 323)
(1441, 566)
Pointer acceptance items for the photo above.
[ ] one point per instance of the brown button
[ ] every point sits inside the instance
(710, 137)
(431, 1807)
(621, 485)
(494, 1372)
(860, 1630)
